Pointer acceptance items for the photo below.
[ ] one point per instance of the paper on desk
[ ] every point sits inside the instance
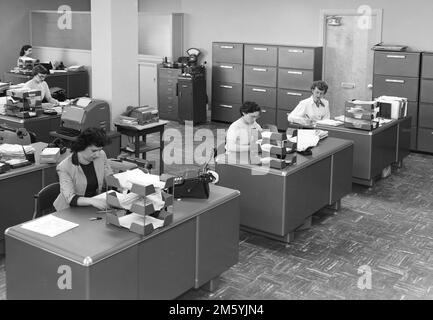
(330, 122)
(127, 178)
(49, 225)
(307, 138)
(126, 221)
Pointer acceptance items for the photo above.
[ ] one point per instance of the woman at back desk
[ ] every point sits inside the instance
(38, 83)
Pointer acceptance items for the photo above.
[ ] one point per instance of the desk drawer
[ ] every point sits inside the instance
(227, 92)
(261, 55)
(260, 76)
(412, 110)
(425, 115)
(228, 52)
(427, 65)
(263, 96)
(267, 116)
(227, 72)
(289, 99)
(296, 57)
(426, 94)
(397, 63)
(425, 140)
(227, 112)
(395, 86)
(295, 79)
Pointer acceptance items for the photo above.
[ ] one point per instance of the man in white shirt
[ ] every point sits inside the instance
(38, 83)
(245, 131)
(312, 109)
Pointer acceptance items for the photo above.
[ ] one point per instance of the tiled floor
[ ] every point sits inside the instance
(388, 228)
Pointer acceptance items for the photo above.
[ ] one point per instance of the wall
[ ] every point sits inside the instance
(14, 25)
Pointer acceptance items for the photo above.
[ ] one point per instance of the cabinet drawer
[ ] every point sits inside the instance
(261, 55)
(225, 112)
(167, 87)
(267, 116)
(427, 65)
(397, 63)
(412, 110)
(289, 99)
(266, 97)
(295, 79)
(227, 52)
(165, 99)
(260, 76)
(425, 140)
(227, 72)
(426, 94)
(395, 86)
(296, 57)
(425, 115)
(282, 122)
(169, 73)
(227, 92)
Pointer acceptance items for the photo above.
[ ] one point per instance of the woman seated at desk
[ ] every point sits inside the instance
(245, 131)
(82, 174)
(38, 83)
(312, 109)
(25, 52)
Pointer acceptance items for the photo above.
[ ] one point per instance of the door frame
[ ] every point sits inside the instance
(324, 13)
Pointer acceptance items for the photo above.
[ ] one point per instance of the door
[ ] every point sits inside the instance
(348, 37)
(148, 86)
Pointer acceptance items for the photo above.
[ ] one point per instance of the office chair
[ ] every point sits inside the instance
(44, 200)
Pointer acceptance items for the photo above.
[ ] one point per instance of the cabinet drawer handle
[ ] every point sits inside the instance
(259, 90)
(226, 67)
(260, 49)
(294, 94)
(295, 51)
(226, 106)
(394, 80)
(395, 56)
(226, 47)
(226, 87)
(295, 72)
(260, 69)
(264, 111)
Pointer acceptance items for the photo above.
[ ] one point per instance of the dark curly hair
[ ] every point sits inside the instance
(249, 107)
(24, 49)
(321, 85)
(39, 69)
(91, 136)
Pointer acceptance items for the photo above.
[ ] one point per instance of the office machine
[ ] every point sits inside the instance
(143, 114)
(84, 113)
(22, 102)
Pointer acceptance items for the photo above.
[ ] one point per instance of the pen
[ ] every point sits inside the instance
(95, 218)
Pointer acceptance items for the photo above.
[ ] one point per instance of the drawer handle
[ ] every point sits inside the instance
(226, 87)
(260, 69)
(226, 47)
(295, 72)
(395, 56)
(226, 67)
(264, 111)
(260, 49)
(294, 94)
(295, 51)
(259, 90)
(394, 80)
(226, 106)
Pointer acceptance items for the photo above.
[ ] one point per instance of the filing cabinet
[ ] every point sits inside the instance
(425, 112)
(398, 74)
(168, 93)
(263, 96)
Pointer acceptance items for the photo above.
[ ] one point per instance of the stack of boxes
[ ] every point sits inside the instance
(22, 102)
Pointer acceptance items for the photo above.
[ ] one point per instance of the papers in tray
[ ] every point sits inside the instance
(128, 219)
(49, 225)
(15, 150)
(330, 122)
(127, 178)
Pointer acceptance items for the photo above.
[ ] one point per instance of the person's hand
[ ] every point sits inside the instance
(100, 204)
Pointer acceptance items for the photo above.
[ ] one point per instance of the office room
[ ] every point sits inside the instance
(328, 197)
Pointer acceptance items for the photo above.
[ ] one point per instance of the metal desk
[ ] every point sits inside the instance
(107, 262)
(375, 150)
(275, 203)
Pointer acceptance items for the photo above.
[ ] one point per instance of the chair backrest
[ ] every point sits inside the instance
(44, 200)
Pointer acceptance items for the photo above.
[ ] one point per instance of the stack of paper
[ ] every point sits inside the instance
(15, 150)
(330, 122)
(49, 225)
(127, 178)
(127, 220)
(307, 138)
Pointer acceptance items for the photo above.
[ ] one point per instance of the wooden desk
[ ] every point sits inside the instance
(113, 263)
(142, 131)
(76, 84)
(375, 150)
(275, 203)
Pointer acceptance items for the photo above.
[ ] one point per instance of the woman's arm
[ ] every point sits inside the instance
(48, 96)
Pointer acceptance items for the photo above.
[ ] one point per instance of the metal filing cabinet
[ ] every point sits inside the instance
(227, 80)
(168, 93)
(397, 74)
(425, 122)
(192, 98)
(298, 67)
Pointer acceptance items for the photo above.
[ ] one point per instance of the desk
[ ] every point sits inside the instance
(142, 131)
(17, 188)
(112, 149)
(41, 125)
(375, 150)
(275, 203)
(76, 83)
(112, 263)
